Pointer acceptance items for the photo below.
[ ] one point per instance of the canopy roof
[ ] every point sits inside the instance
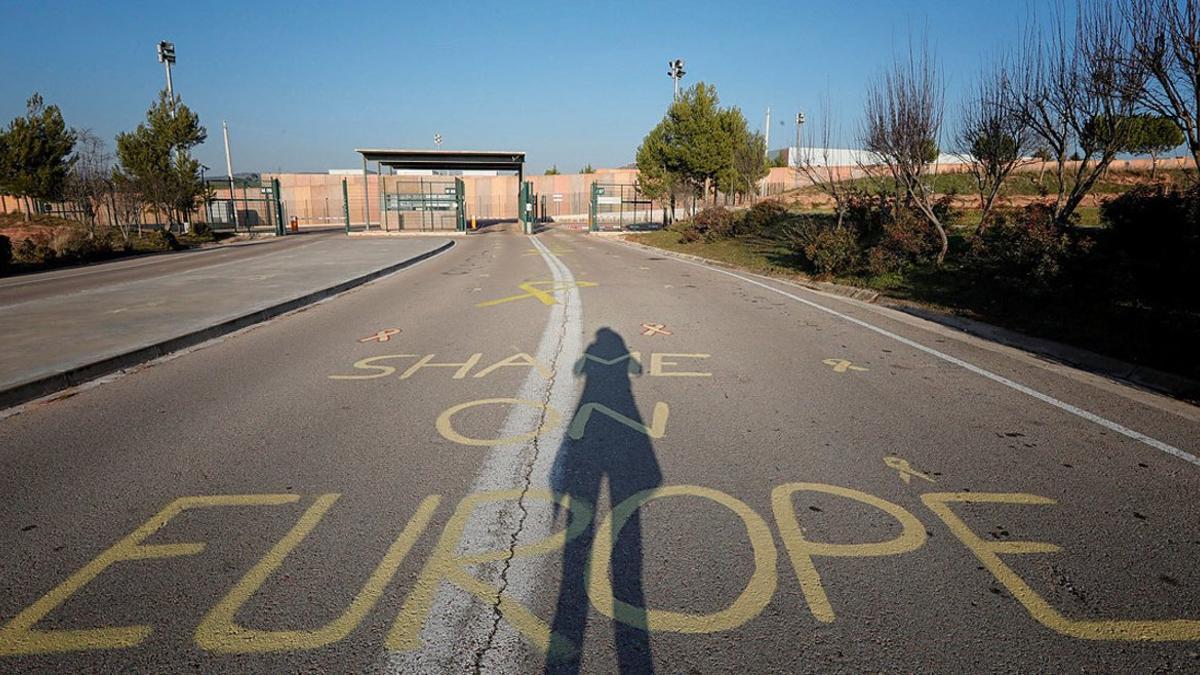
(496, 160)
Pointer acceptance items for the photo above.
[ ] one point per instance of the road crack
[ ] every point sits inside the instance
(527, 482)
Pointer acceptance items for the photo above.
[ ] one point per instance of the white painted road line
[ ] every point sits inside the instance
(458, 627)
(1046, 398)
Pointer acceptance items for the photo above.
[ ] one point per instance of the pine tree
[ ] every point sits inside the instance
(155, 157)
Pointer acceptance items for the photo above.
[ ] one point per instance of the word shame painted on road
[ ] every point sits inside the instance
(661, 364)
(227, 627)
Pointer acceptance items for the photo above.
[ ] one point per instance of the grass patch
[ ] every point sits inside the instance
(1163, 339)
(757, 254)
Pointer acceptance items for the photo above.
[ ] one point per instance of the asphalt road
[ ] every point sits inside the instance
(578, 456)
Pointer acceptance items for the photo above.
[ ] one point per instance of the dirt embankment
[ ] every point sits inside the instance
(17, 229)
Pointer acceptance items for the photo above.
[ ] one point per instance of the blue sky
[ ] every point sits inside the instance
(302, 84)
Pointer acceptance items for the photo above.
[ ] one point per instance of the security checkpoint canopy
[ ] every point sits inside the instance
(493, 160)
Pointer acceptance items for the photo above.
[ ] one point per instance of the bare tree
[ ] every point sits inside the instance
(127, 206)
(818, 165)
(903, 128)
(89, 183)
(1073, 90)
(992, 140)
(1166, 43)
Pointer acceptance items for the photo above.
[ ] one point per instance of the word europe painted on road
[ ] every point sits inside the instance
(220, 630)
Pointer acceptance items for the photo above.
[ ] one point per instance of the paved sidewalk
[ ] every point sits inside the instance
(56, 341)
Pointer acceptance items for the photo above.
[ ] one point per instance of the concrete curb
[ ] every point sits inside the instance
(863, 294)
(32, 389)
(1176, 386)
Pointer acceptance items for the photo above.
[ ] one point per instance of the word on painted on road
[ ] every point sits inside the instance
(381, 336)
(452, 562)
(655, 329)
(907, 473)
(543, 291)
(841, 365)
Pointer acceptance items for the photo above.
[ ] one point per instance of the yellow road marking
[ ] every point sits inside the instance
(906, 471)
(841, 365)
(658, 361)
(657, 428)
(446, 564)
(757, 593)
(368, 364)
(988, 553)
(381, 335)
(534, 289)
(802, 551)
(446, 428)
(220, 632)
(19, 635)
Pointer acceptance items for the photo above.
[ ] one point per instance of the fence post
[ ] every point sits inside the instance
(346, 204)
(279, 229)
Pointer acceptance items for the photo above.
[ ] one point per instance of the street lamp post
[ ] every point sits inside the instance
(166, 56)
(676, 73)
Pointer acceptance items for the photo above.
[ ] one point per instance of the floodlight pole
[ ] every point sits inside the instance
(799, 124)
(229, 172)
(166, 56)
(767, 132)
(675, 72)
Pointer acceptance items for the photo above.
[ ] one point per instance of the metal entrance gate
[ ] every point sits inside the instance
(245, 208)
(620, 207)
(424, 204)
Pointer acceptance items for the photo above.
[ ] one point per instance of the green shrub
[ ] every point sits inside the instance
(715, 223)
(1156, 234)
(882, 261)
(902, 233)
(35, 250)
(6, 253)
(1022, 251)
(834, 251)
(164, 240)
(202, 232)
(77, 245)
(764, 217)
(826, 248)
(711, 224)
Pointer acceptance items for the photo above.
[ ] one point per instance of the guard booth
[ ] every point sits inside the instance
(421, 199)
(528, 207)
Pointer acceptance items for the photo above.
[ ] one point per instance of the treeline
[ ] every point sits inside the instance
(43, 160)
(1074, 91)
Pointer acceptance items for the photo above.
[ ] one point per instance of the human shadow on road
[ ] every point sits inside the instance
(624, 457)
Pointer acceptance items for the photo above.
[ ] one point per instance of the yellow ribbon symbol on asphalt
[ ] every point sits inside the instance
(906, 471)
(534, 289)
(841, 365)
